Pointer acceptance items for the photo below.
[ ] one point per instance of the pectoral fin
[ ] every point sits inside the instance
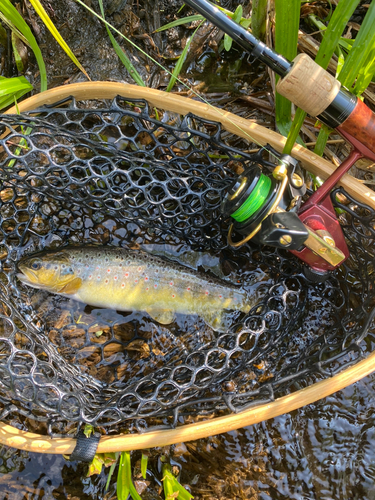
(162, 317)
(217, 320)
(71, 287)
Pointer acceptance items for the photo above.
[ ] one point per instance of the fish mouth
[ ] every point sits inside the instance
(28, 278)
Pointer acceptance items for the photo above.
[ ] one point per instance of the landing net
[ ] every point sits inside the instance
(122, 173)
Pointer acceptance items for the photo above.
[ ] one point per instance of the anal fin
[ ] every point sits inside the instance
(164, 317)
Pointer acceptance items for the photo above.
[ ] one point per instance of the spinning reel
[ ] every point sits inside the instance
(268, 210)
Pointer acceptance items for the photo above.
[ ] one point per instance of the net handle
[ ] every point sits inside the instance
(28, 441)
(17, 438)
(183, 105)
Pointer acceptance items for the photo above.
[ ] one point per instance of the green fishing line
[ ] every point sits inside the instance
(255, 201)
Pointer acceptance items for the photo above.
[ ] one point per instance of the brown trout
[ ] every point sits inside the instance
(133, 280)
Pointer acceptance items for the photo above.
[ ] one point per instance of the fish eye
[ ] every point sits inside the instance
(35, 265)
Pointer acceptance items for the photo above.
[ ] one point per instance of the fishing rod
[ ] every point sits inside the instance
(269, 210)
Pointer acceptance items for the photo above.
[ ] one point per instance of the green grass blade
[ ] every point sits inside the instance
(365, 75)
(121, 54)
(17, 55)
(322, 139)
(123, 476)
(180, 62)
(39, 9)
(286, 37)
(15, 20)
(178, 22)
(335, 28)
(297, 123)
(144, 462)
(362, 48)
(125, 484)
(172, 486)
(259, 18)
(111, 471)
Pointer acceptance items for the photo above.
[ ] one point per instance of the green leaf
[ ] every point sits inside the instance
(178, 22)
(88, 430)
(322, 139)
(172, 486)
(39, 9)
(227, 42)
(125, 484)
(286, 37)
(123, 476)
(121, 54)
(13, 88)
(365, 75)
(332, 35)
(96, 465)
(180, 62)
(144, 462)
(297, 123)
(259, 18)
(17, 56)
(109, 459)
(237, 16)
(13, 19)
(341, 61)
(363, 46)
(245, 23)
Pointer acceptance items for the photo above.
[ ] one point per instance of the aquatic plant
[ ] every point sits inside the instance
(13, 19)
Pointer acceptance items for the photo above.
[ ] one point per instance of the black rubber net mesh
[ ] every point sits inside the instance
(122, 173)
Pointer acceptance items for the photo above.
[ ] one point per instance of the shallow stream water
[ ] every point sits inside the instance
(322, 451)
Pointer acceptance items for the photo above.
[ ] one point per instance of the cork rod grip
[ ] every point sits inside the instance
(309, 86)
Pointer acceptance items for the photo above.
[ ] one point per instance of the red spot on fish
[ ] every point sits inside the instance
(106, 282)
(155, 286)
(188, 289)
(172, 296)
(135, 281)
(122, 285)
(99, 278)
(147, 289)
(90, 276)
(171, 283)
(220, 296)
(139, 269)
(115, 278)
(146, 278)
(108, 270)
(126, 275)
(206, 292)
